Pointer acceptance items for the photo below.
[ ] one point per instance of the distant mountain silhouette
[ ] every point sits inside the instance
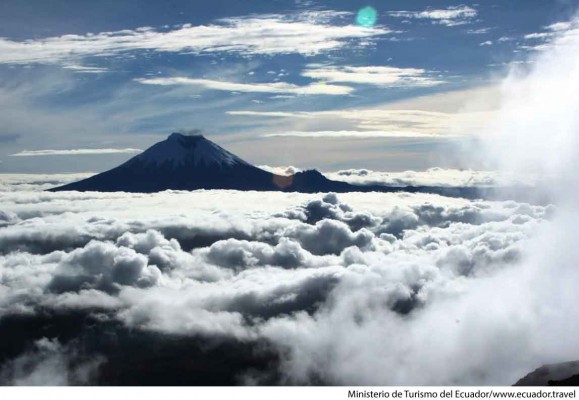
(183, 162)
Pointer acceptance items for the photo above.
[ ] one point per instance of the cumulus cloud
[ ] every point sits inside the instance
(273, 87)
(73, 152)
(451, 16)
(305, 33)
(240, 255)
(103, 266)
(329, 207)
(330, 237)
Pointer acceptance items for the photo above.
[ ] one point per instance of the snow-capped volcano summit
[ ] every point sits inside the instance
(180, 150)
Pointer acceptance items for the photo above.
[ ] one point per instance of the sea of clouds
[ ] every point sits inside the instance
(354, 288)
(227, 287)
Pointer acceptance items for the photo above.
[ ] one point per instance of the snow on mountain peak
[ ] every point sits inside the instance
(188, 150)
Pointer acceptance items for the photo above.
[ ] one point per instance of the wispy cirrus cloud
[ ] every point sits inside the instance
(272, 87)
(83, 69)
(373, 75)
(303, 33)
(480, 31)
(73, 152)
(382, 76)
(355, 134)
(376, 122)
(451, 16)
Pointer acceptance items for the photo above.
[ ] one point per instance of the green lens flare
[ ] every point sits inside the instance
(367, 17)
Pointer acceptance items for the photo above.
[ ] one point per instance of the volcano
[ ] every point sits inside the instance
(190, 162)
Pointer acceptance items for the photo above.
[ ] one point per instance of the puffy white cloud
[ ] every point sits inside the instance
(242, 254)
(103, 266)
(305, 33)
(329, 207)
(330, 237)
(145, 242)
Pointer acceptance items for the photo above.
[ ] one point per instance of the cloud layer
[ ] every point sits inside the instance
(312, 276)
(436, 177)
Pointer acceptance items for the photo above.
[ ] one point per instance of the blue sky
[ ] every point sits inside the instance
(85, 84)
